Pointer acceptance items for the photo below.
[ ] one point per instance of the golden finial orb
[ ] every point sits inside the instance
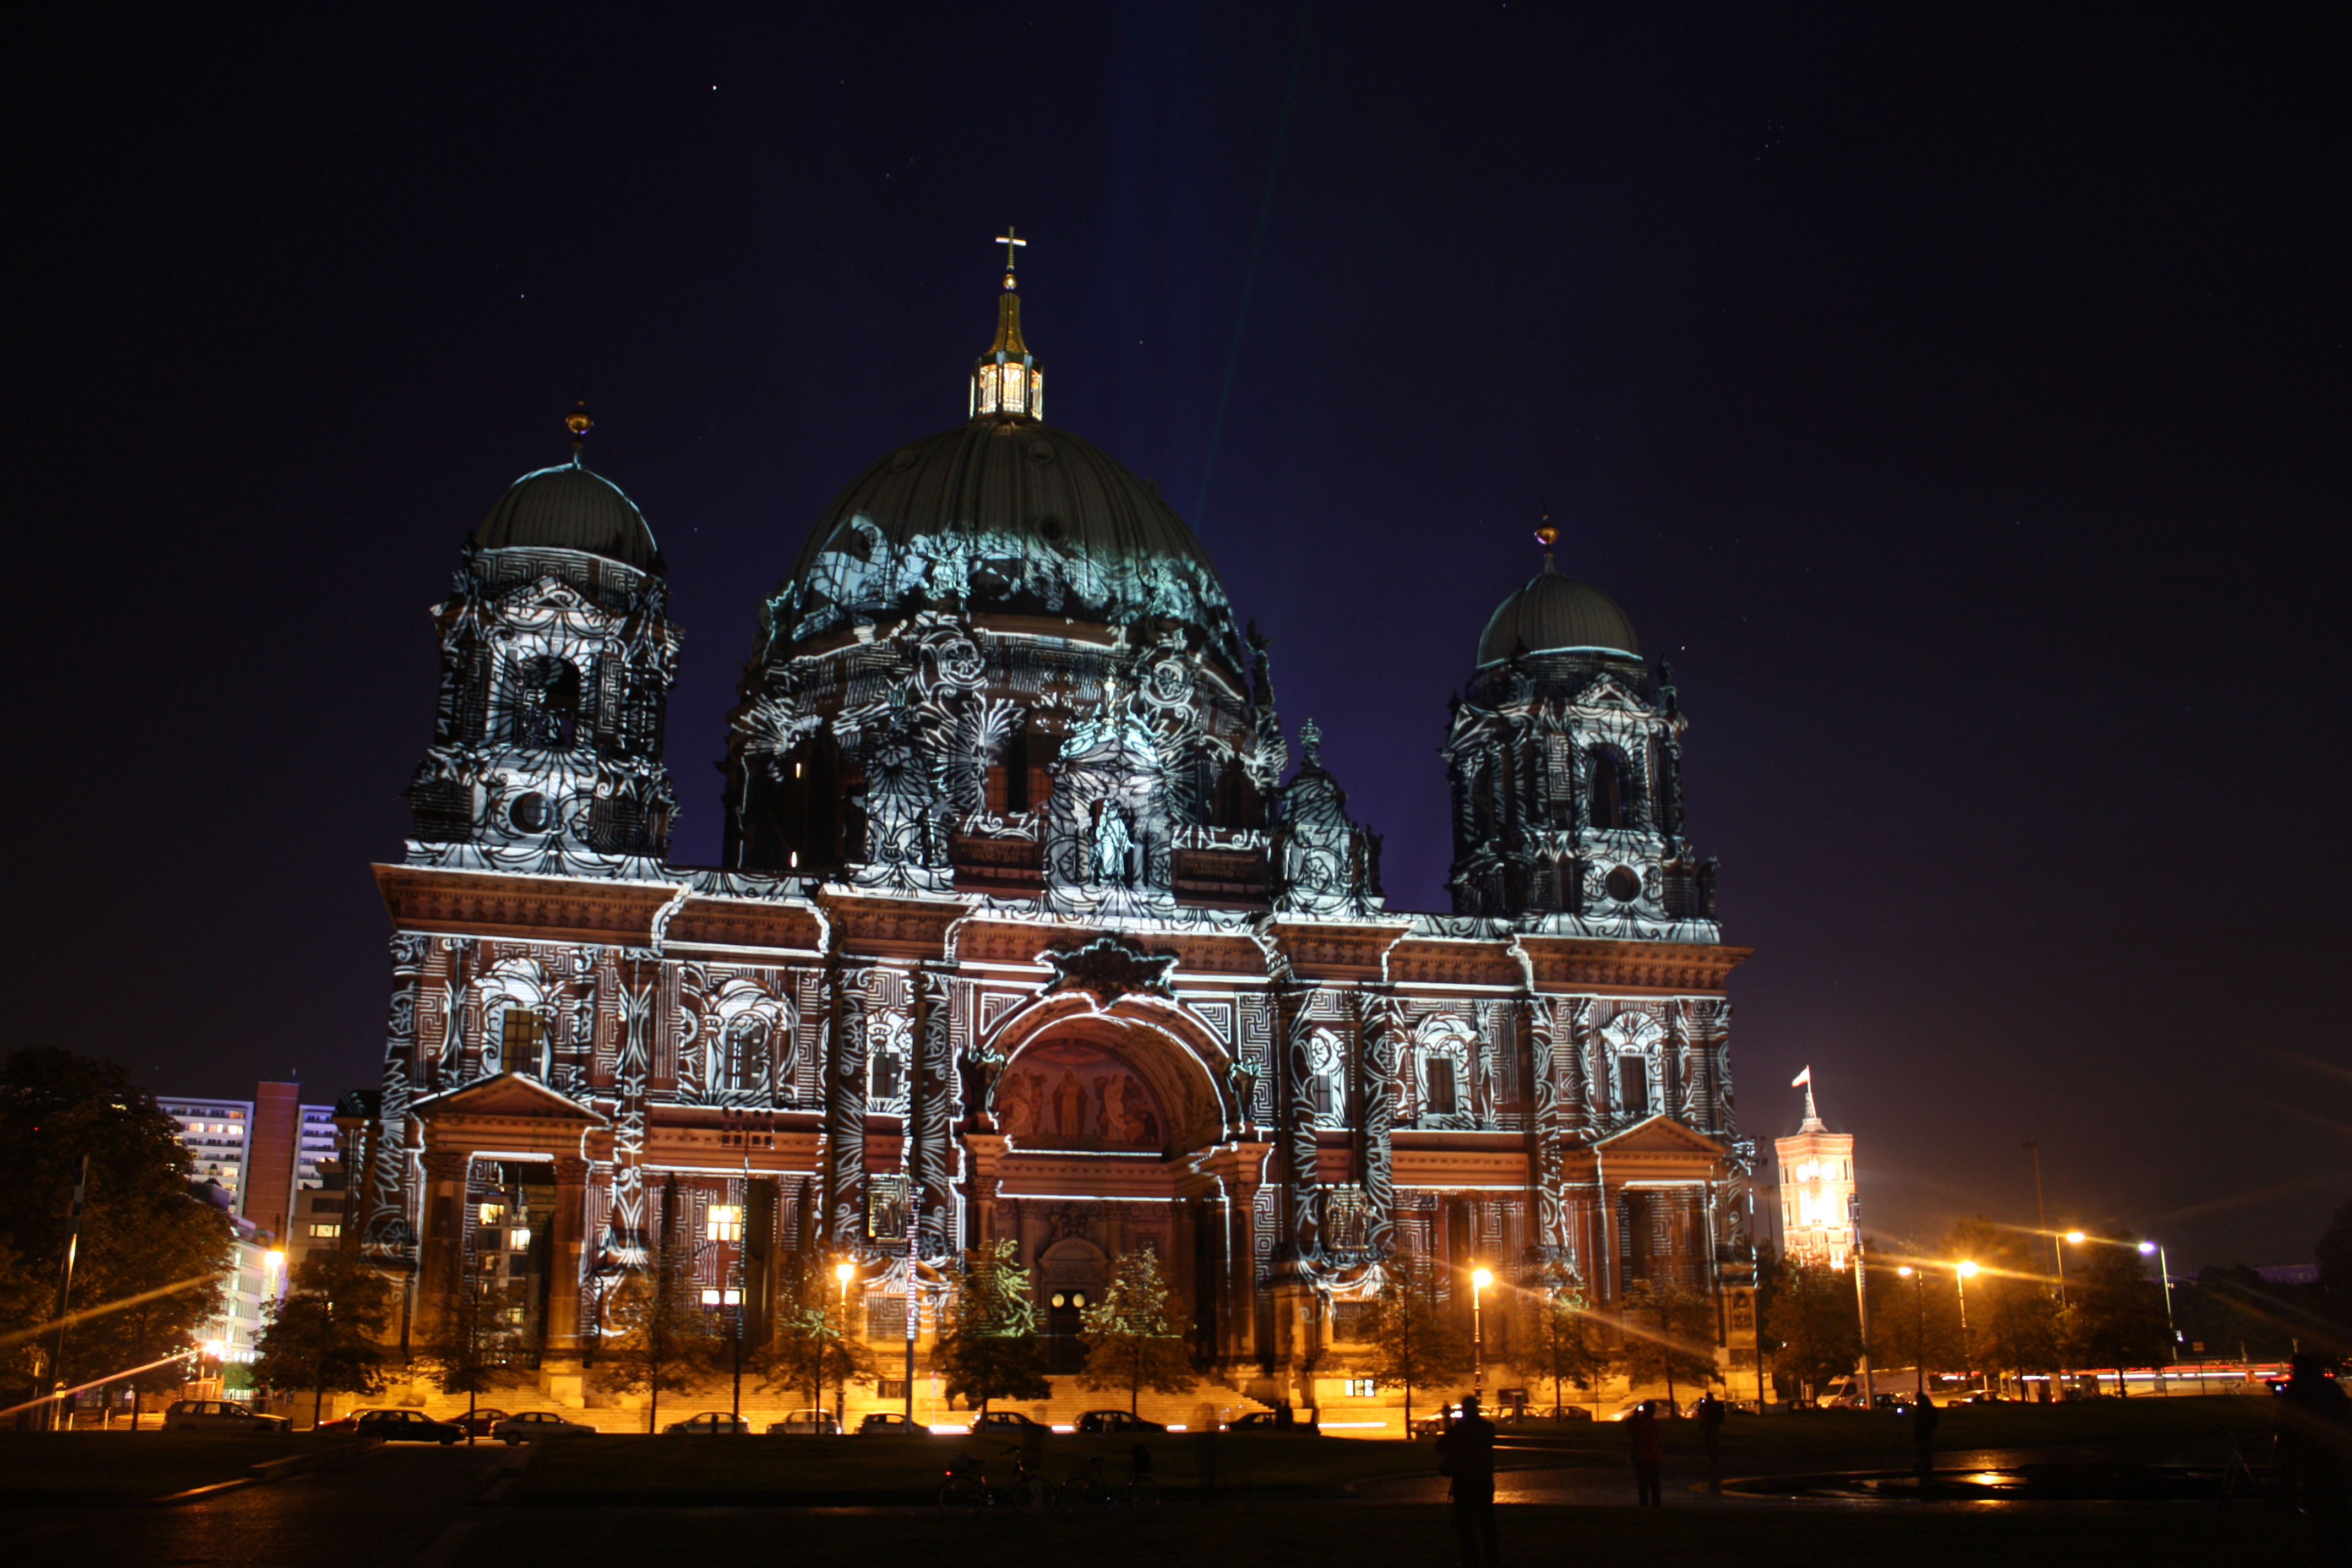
(1546, 535)
(578, 421)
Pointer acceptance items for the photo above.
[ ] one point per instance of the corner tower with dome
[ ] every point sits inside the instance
(1027, 930)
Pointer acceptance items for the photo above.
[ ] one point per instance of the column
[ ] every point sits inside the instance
(444, 1238)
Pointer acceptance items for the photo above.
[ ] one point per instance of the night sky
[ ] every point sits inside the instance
(1956, 396)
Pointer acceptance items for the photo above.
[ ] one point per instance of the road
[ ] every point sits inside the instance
(389, 1509)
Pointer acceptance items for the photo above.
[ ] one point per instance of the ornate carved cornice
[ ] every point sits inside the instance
(745, 922)
(558, 908)
(1108, 968)
(1571, 964)
(881, 927)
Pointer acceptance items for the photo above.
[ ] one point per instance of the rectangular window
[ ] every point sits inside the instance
(886, 1316)
(1633, 1087)
(720, 1222)
(1362, 1388)
(325, 1230)
(1441, 1085)
(890, 1389)
(1347, 1217)
(1318, 1093)
(728, 1296)
(886, 1207)
(519, 1238)
(885, 1075)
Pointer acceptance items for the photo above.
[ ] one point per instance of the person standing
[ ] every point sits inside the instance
(1923, 1439)
(1649, 1454)
(1710, 1427)
(1466, 1456)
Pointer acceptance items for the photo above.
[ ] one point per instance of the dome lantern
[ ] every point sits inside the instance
(1007, 380)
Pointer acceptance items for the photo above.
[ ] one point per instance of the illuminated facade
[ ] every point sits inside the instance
(1817, 1191)
(1027, 927)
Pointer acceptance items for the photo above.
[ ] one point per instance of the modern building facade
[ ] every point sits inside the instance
(262, 1151)
(1030, 926)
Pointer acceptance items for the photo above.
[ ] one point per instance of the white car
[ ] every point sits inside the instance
(534, 1424)
(219, 1415)
(808, 1423)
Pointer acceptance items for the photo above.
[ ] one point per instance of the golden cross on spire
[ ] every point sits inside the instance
(1011, 244)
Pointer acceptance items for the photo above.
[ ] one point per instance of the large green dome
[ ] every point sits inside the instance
(1003, 514)
(1558, 615)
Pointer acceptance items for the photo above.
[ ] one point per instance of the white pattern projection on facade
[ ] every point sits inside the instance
(1023, 932)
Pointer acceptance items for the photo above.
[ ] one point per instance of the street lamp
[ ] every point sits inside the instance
(1962, 1275)
(844, 1271)
(1918, 1325)
(1479, 1279)
(2164, 1270)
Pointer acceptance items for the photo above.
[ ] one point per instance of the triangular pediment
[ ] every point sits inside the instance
(1660, 1135)
(507, 1094)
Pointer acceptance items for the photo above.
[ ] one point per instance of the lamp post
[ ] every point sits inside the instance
(1479, 1279)
(1918, 1325)
(844, 1271)
(1965, 1272)
(2164, 1272)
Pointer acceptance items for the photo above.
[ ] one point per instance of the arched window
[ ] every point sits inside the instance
(1611, 800)
(547, 704)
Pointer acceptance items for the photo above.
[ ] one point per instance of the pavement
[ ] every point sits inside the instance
(412, 1498)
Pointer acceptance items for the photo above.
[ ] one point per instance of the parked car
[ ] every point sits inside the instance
(1117, 1420)
(808, 1423)
(1891, 1402)
(219, 1415)
(346, 1423)
(407, 1426)
(710, 1424)
(534, 1425)
(1560, 1413)
(890, 1423)
(480, 1423)
(1253, 1421)
(1006, 1421)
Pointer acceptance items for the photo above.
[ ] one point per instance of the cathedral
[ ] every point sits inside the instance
(1033, 923)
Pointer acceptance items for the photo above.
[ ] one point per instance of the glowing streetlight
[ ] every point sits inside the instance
(844, 1271)
(1961, 1274)
(1479, 1279)
(1919, 1324)
(2076, 1237)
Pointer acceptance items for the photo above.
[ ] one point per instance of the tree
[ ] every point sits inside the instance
(1560, 1343)
(324, 1334)
(1130, 1334)
(1915, 1319)
(811, 1346)
(478, 1348)
(141, 1229)
(2118, 1316)
(1817, 1323)
(1414, 1344)
(990, 1350)
(1669, 1336)
(2013, 1317)
(662, 1340)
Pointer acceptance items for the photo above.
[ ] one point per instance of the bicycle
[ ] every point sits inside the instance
(1087, 1489)
(965, 1489)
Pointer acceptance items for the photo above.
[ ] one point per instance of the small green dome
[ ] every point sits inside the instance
(1558, 615)
(570, 508)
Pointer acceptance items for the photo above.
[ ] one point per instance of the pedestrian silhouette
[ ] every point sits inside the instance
(1465, 1454)
(2314, 1451)
(1649, 1454)
(1710, 1427)
(1923, 1438)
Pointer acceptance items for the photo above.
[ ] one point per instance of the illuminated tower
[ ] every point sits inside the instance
(1566, 760)
(557, 656)
(1817, 1189)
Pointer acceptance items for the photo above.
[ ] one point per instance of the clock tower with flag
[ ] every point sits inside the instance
(1817, 1188)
